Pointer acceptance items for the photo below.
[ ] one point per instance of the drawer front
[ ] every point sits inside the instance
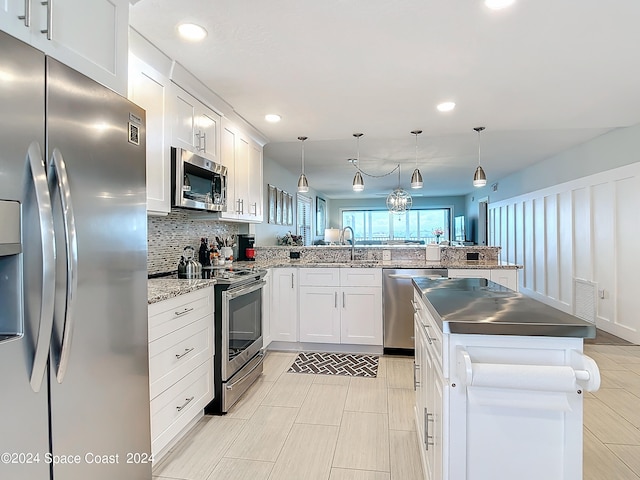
(430, 328)
(172, 410)
(170, 315)
(173, 356)
(319, 277)
(361, 277)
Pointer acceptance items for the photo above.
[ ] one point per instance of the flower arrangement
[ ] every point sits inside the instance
(290, 240)
(438, 231)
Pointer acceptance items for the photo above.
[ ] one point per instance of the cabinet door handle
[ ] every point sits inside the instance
(344, 301)
(27, 13)
(335, 299)
(186, 310)
(292, 280)
(49, 30)
(426, 332)
(428, 439)
(416, 383)
(204, 141)
(415, 306)
(186, 350)
(255, 208)
(187, 402)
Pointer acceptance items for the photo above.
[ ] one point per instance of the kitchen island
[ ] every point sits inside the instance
(500, 380)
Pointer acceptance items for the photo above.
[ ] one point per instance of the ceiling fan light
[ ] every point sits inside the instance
(358, 183)
(303, 184)
(479, 178)
(416, 179)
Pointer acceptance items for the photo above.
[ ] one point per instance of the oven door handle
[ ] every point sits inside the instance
(233, 293)
(231, 385)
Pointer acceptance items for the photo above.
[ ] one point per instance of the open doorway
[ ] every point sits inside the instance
(483, 221)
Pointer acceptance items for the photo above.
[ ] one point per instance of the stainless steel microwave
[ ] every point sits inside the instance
(197, 183)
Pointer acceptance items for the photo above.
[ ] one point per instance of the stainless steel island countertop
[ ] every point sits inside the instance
(479, 306)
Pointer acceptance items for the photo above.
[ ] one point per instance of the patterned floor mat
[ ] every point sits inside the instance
(336, 364)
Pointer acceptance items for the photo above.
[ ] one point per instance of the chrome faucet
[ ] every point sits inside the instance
(353, 241)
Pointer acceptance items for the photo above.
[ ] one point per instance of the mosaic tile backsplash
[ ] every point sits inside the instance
(167, 237)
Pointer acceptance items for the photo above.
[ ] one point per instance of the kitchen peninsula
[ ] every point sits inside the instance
(500, 381)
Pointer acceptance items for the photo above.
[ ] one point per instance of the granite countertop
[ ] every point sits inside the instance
(159, 289)
(377, 264)
(479, 306)
(164, 288)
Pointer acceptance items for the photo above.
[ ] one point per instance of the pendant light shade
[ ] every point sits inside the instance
(358, 182)
(416, 177)
(479, 177)
(303, 183)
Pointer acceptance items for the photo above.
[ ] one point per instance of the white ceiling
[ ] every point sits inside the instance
(541, 76)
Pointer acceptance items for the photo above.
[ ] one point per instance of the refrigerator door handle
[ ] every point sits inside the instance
(58, 173)
(45, 216)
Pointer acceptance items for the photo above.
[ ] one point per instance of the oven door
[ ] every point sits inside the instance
(241, 326)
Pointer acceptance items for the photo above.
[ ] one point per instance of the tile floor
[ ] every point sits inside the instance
(296, 426)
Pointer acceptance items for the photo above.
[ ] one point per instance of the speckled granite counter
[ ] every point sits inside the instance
(159, 289)
(276, 263)
(165, 288)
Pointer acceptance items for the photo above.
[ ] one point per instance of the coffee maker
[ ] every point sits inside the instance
(246, 250)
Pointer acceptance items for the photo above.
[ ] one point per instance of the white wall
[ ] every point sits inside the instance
(614, 149)
(586, 229)
(274, 174)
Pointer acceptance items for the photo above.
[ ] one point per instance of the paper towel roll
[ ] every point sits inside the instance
(523, 377)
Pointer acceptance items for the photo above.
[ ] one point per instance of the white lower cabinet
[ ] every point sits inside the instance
(284, 304)
(341, 305)
(266, 309)
(180, 364)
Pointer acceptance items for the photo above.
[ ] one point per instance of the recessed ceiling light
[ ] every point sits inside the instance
(446, 106)
(498, 4)
(272, 117)
(192, 32)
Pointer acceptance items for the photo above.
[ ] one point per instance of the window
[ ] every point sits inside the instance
(303, 208)
(419, 225)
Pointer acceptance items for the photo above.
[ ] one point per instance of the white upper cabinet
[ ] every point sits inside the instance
(89, 36)
(195, 126)
(150, 89)
(243, 159)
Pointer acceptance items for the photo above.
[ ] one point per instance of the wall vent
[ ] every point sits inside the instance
(584, 299)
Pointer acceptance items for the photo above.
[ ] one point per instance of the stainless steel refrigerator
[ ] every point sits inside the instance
(73, 299)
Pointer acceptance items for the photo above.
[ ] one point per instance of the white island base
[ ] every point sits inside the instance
(499, 407)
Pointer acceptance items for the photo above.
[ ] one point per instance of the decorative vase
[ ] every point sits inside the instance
(437, 238)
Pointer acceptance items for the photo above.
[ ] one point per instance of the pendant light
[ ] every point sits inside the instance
(303, 184)
(479, 178)
(416, 177)
(399, 201)
(358, 182)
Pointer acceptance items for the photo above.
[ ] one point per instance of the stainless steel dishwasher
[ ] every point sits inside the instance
(398, 313)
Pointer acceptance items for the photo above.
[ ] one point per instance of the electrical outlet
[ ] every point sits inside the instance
(386, 255)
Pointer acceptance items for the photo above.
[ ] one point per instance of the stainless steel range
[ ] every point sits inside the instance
(238, 335)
